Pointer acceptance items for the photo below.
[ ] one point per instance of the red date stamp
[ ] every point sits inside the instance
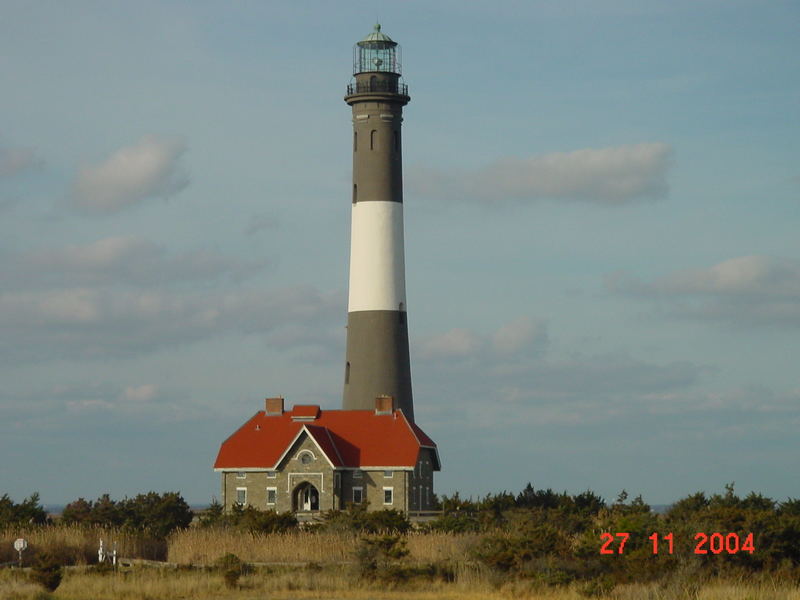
(714, 543)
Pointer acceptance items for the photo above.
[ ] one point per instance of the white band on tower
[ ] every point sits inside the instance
(377, 266)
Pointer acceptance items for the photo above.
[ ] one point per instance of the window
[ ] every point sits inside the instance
(347, 373)
(241, 475)
(388, 495)
(337, 480)
(271, 474)
(358, 495)
(388, 474)
(355, 141)
(355, 193)
(272, 495)
(357, 474)
(396, 141)
(305, 457)
(241, 496)
(373, 139)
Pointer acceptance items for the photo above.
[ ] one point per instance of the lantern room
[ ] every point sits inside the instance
(376, 65)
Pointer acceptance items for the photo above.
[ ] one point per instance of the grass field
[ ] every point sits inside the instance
(336, 584)
(319, 566)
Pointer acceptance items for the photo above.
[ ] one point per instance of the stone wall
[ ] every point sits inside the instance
(411, 490)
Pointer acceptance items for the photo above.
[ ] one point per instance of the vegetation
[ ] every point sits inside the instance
(29, 511)
(47, 571)
(537, 543)
(158, 514)
(248, 519)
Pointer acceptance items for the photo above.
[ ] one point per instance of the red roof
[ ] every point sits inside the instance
(348, 438)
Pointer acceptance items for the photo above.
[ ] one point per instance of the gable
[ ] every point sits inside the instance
(305, 441)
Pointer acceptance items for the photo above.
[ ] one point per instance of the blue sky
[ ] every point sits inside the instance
(603, 266)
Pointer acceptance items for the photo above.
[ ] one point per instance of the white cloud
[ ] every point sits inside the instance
(521, 337)
(759, 290)
(453, 343)
(127, 260)
(142, 393)
(16, 160)
(149, 169)
(604, 175)
(745, 275)
(90, 323)
(519, 334)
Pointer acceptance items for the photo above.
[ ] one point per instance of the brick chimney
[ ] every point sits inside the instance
(384, 405)
(274, 406)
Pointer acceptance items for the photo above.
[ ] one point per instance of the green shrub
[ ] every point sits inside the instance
(231, 567)
(47, 571)
(600, 586)
(378, 557)
(360, 520)
(29, 511)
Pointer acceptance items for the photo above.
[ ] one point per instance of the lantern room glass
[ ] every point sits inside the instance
(376, 53)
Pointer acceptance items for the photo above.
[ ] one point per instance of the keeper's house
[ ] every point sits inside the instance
(307, 460)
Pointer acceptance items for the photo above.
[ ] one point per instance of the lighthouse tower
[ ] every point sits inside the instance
(377, 359)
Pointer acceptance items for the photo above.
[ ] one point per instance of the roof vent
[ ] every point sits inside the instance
(274, 406)
(384, 405)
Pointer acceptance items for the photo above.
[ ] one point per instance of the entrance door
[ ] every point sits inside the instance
(307, 498)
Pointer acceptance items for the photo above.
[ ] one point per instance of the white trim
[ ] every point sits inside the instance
(377, 262)
(241, 489)
(421, 445)
(274, 467)
(272, 489)
(292, 443)
(320, 475)
(240, 469)
(390, 474)
(353, 494)
(376, 468)
(272, 474)
(303, 451)
(241, 474)
(390, 489)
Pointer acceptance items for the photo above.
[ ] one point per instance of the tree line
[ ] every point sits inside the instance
(551, 537)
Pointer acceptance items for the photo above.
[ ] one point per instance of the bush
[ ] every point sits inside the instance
(47, 571)
(159, 514)
(29, 511)
(359, 520)
(231, 567)
(378, 557)
(262, 521)
(601, 586)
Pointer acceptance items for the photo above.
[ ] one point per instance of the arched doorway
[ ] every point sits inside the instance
(305, 498)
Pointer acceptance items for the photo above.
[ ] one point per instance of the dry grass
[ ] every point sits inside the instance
(78, 544)
(203, 546)
(326, 577)
(336, 583)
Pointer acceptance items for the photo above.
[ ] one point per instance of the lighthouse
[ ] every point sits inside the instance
(307, 459)
(377, 357)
